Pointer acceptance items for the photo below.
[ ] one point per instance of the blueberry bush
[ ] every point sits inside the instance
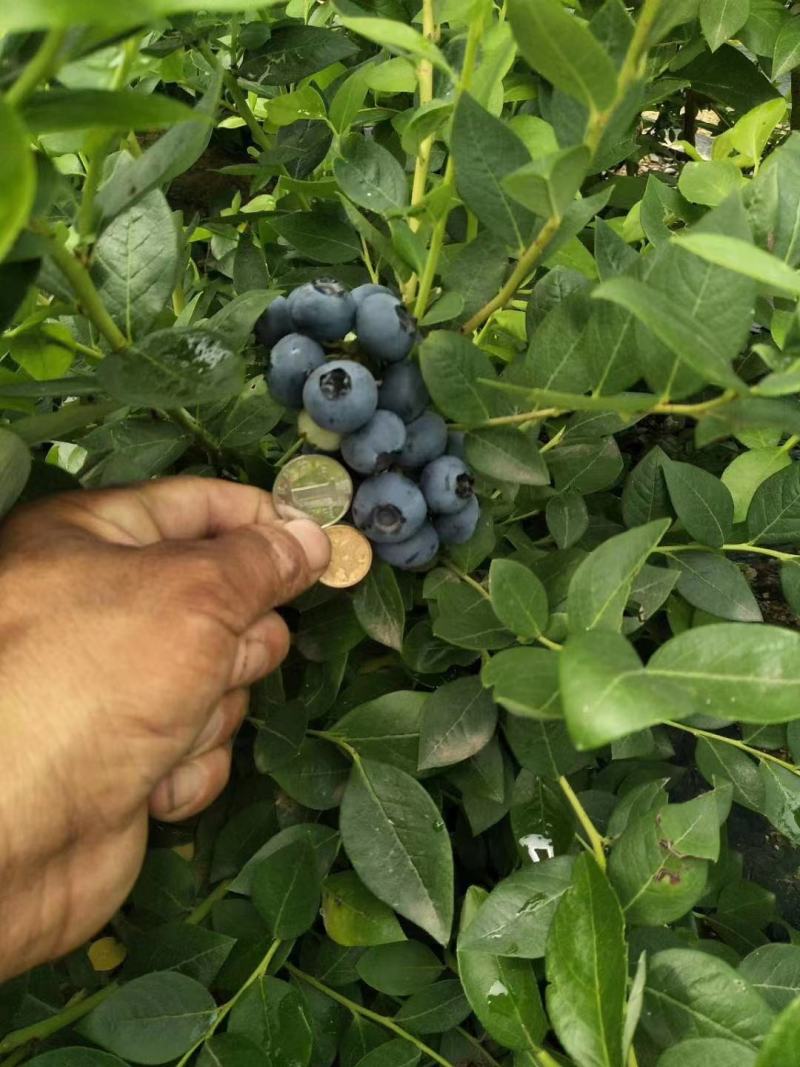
(529, 795)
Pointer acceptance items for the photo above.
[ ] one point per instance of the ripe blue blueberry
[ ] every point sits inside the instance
(389, 508)
(458, 528)
(426, 440)
(386, 331)
(291, 361)
(447, 485)
(361, 292)
(341, 396)
(375, 446)
(324, 310)
(403, 391)
(418, 551)
(275, 323)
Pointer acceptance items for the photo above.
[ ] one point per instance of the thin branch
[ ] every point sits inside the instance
(40, 68)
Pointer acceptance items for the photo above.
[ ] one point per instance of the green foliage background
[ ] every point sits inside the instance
(594, 211)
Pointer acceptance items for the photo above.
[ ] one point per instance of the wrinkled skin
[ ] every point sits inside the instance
(133, 622)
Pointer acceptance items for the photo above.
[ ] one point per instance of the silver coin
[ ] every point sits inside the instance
(319, 486)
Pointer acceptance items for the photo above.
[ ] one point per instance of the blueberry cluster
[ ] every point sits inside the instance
(380, 422)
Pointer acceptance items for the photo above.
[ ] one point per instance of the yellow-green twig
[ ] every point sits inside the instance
(596, 841)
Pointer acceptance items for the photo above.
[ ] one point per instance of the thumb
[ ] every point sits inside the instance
(266, 565)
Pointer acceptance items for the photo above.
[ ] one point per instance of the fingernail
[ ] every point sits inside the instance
(187, 782)
(313, 540)
(211, 731)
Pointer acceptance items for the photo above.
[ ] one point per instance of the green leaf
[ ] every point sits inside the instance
(720, 762)
(564, 51)
(700, 1051)
(135, 264)
(83, 109)
(44, 14)
(702, 503)
(774, 513)
(781, 799)
(486, 152)
(465, 618)
(322, 839)
(295, 51)
(316, 776)
(525, 682)
(516, 917)
(17, 176)
(547, 186)
(787, 49)
(348, 101)
(735, 670)
(397, 37)
(236, 320)
(280, 735)
(542, 747)
(645, 496)
(379, 607)
(386, 729)
(715, 584)
(353, 916)
(272, 1015)
(567, 518)
(587, 968)
(285, 888)
(77, 1057)
(399, 969)
(15, 467)
(395, 1053)
(503, 993)
(693, 994)
(747, 472)
(394, 835)
(557, 353)
(153, 1019)
(608, 694)
(711, 181)
(458, 720)
(782, 1044)
(231, 1050)
(739, 256)
(506, 454)
(586, 466)
(171, 368)
(451, 366)
(601, 586)
(519, 599)
(318, 236)
(655, 883)
(371, 176)
(434, 1010)
(191, 950)
(774, 972)
(689, 339)
(171, 155)
(692, 829)
(720, 19)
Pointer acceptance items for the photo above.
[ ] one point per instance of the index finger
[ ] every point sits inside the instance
(170, 509)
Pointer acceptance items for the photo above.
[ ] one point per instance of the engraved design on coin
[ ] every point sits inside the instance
(319, 486)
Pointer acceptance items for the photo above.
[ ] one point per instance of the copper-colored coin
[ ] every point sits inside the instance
(351, 557)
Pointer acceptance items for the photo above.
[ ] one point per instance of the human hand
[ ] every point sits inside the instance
(133, 622)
